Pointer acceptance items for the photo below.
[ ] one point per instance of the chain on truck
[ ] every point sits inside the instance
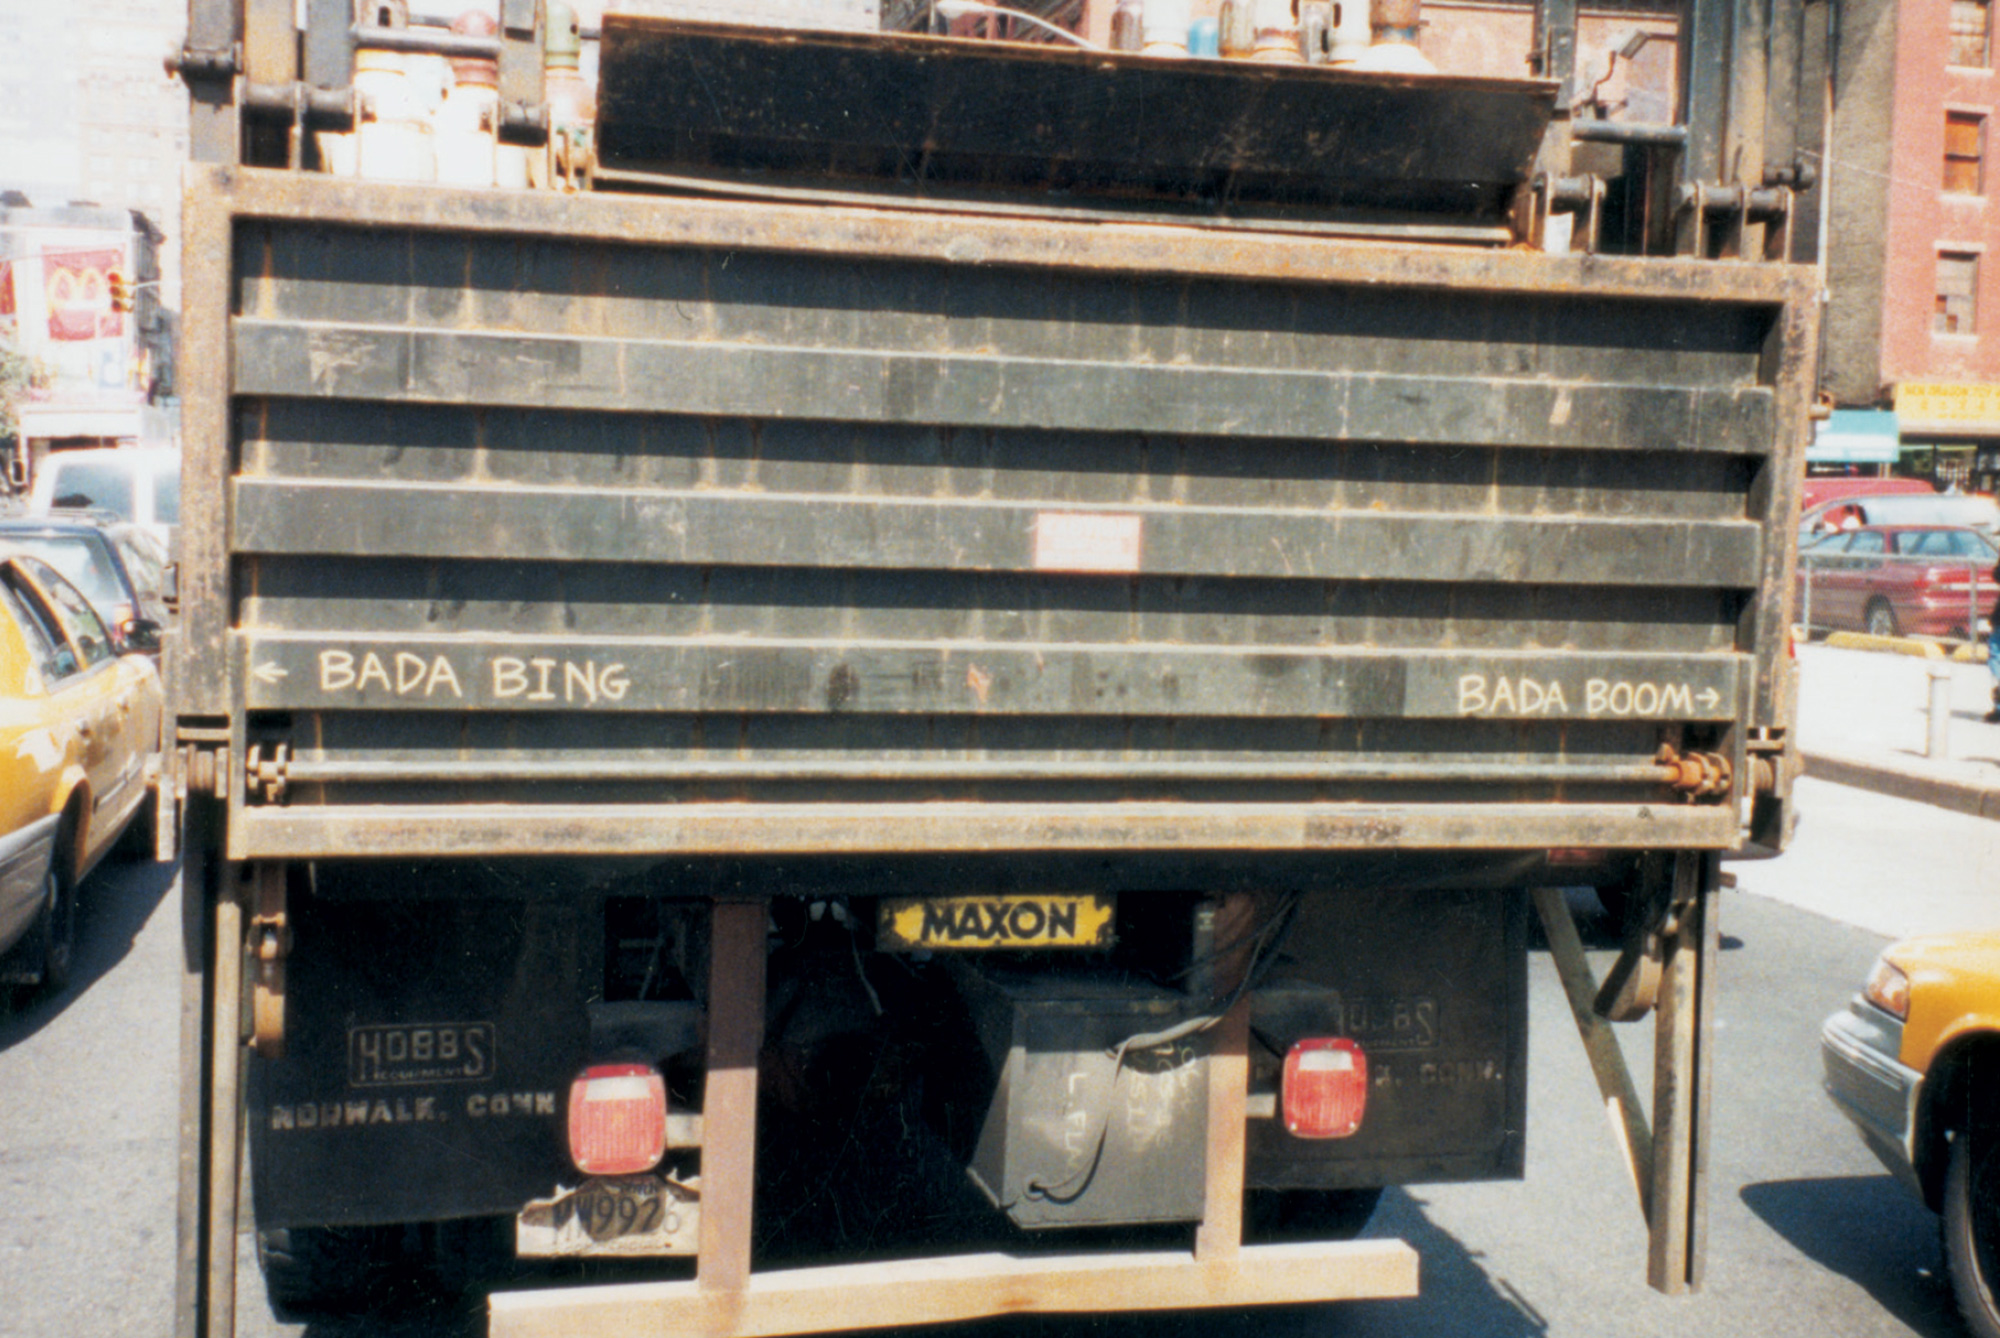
(859, 678)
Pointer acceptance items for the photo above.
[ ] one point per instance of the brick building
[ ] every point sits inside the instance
(1913, 251)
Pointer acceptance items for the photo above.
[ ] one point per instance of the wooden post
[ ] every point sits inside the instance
(1679, 1218)
(190, 1286)
(729, 1094)
(1220, 1236)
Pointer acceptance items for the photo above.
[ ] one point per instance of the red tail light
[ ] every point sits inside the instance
(1946, 578)
(617, 1119)
(1325, 1090)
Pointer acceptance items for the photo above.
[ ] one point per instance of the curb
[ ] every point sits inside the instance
(1960, 796)
(1897, 645)
(1923, 648)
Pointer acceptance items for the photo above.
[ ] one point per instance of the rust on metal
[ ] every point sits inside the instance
(805, 229)
(1698, 775)
(492, 830)
(267, 945)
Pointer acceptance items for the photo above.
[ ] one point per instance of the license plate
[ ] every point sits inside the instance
(633, 1215)
(958, 924)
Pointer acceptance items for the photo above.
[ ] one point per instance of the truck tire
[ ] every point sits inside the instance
(1880, 620)
(1273, 1215)
(326, 1270)
(1971, 1227)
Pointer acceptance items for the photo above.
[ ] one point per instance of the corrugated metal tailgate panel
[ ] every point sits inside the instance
(552, 541)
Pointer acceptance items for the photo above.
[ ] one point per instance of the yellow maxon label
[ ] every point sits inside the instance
(1056, 920)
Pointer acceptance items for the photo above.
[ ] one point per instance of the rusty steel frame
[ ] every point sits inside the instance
(338, 771)
(191, 1215)
(1683, 1072)
(213, 1056)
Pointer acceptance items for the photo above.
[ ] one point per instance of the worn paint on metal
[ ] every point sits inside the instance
(758, 486)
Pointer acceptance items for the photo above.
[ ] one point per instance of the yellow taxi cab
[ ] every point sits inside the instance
(79, 724)
(1914, 1061)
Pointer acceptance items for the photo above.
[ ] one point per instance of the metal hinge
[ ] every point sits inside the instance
(267, 944)
(193, 64)
(201, 764)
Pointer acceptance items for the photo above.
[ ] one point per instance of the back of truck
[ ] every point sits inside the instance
(884, 760)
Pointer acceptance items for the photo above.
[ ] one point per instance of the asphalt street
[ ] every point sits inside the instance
(1808, 1235)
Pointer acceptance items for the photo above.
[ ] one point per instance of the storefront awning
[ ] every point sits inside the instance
(1855, 437)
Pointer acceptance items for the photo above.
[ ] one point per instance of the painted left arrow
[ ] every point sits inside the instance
(269, 673)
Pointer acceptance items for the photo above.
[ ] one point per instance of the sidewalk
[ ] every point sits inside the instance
(1862, 722)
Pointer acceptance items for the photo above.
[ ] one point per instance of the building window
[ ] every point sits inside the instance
(1970, 26)
(1964, 152)
(1957, 282)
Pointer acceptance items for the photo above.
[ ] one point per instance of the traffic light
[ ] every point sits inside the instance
(120, 285)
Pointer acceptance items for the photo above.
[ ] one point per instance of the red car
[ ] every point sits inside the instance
(1898, 580)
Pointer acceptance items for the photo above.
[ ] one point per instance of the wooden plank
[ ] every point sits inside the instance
(943, 1290)
(740, 674)
(729, 1094)
(830, 531)
(1219, 1237)
(481, 830)
(548, 371)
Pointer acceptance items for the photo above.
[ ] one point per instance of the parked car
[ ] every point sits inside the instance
(1898, 580)
(1914, 1061)
(1820, 488)
(78, 724)
(141, 484)
(1968, 510)
(121, 569)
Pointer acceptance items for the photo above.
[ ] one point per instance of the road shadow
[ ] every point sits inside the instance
(112, 906)
(453, 1319)
(1872, 1231)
